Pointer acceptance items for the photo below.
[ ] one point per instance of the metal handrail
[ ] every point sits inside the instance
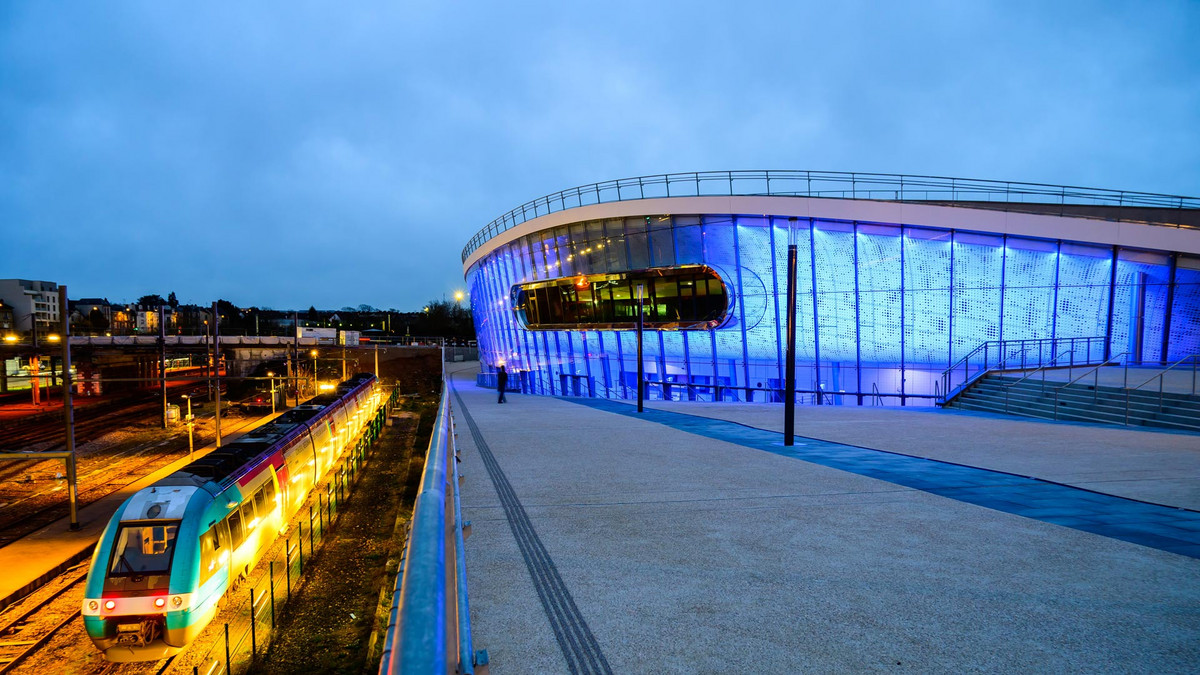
(1194, 358)
(1096, 382)
(1042, 370)
(417, 634)
(835, 185)
(1000, 347)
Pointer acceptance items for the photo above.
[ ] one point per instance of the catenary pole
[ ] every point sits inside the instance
(294, 362)
(162, 361)
(217, 367)
(68, 409)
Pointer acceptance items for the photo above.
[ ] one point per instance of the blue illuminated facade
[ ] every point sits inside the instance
(883, 307)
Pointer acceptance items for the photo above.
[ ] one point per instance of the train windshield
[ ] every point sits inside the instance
(143, 548)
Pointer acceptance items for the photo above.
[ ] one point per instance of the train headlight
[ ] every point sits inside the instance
(110, 605)
(176, 601)
(160, 602)
(93, 605)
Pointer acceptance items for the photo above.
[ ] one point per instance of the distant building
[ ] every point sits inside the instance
(32, 301)
(122, 322)
(146, 319)
(6, 317)
(85, 310)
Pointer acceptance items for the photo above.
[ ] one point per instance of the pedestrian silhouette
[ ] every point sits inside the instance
(501, 383)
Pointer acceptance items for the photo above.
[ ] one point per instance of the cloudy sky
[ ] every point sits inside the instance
(283, 154)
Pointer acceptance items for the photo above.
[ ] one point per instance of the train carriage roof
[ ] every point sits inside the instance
(239, 456)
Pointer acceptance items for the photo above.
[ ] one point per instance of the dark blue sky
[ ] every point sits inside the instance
(294, 153)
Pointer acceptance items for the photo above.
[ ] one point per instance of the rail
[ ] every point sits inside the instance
(961, 375)
(1195, 360)
(429, 628)
(1095, 372)
(1053, 364)
(1014, 196)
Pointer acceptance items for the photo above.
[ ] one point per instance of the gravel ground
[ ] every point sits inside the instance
(329, 623)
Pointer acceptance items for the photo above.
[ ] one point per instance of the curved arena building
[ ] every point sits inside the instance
(901, 282)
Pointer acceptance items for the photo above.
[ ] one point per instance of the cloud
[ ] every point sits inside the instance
(289, 154)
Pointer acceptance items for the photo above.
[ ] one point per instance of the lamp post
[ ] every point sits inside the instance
(190, 424)
(272, 376)
(314, 355)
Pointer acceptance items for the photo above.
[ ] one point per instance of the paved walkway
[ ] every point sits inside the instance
(673, 541)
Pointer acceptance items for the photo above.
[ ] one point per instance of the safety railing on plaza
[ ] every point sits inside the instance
(1008, 195)
(1020, 355)
(429, 630)
(246, 634)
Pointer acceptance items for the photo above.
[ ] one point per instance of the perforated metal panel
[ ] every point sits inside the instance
(918, 299)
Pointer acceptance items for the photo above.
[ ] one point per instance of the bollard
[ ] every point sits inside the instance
(272, 578)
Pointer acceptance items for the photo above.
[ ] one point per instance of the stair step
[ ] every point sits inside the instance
(1080, 403)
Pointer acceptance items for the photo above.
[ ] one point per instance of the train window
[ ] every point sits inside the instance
(269, 493)
(236, 534)
(210, 559)
(260, 501)
(143, 549)
(249, 519)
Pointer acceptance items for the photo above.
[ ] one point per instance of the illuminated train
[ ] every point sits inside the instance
(173, 550)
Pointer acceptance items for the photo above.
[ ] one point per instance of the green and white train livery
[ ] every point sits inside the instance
(174, 550)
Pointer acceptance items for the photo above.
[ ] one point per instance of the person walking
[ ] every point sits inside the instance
(501, 382)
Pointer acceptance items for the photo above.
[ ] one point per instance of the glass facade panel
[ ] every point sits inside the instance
(882, 308)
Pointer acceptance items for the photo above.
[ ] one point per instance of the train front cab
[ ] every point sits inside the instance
(141, 601)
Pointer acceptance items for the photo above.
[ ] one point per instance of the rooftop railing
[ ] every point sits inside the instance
(1009, 195)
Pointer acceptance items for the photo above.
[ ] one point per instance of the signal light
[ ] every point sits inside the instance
(160, 602)
(110, 605)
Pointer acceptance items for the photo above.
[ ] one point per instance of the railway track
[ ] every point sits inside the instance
(50, 613)
(30, 625)
(98, 477)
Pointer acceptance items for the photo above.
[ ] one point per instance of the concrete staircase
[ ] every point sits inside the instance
(1080, 403)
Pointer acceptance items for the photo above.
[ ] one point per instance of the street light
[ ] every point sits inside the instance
(272, 376)
(458, 296)
(190, 424)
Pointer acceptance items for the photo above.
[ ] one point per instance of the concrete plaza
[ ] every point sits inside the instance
(682, 541)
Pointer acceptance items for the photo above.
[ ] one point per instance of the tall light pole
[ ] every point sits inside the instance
(272, 376)
(641, 366)
(314, 355)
